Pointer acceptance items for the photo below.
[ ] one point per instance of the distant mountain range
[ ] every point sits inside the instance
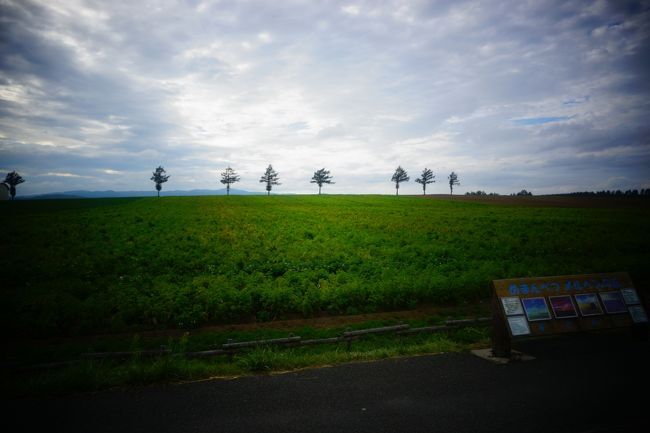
(109, 194)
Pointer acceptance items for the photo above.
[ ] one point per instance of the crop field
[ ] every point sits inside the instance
(76, 267)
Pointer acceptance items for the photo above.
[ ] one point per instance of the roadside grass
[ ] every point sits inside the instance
(94, 375)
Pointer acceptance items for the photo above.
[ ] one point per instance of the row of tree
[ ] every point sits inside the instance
(320, 177)
(523, 192)
(481, 193)
(229, 176)
(618, 192)
(425, 179)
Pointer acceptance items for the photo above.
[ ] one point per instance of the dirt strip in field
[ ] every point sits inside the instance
(563, 201)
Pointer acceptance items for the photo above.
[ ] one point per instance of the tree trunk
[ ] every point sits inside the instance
(319, 187)
(397, 189)
(268, 192)
(227, 189)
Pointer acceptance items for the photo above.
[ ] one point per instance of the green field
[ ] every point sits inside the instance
(110, 265)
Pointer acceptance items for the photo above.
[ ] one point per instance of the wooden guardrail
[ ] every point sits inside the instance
(232, 347)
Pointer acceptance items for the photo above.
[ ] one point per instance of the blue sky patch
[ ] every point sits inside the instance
(539, 120)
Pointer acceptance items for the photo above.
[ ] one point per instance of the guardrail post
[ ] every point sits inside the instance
(231, 352)
(348, 329)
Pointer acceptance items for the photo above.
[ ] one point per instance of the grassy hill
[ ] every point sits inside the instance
(108, 265)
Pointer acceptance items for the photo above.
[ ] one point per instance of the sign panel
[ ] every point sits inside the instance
(512, 305)
(571, 303)
(588, 304)
(638, 314)
(518, 325)
(613, 302)
(630, 296)
(563, 307)
(536, 309)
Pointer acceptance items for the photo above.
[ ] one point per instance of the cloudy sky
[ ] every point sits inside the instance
(550, 96)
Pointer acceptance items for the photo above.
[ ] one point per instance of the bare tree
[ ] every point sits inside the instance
(453, 180)
(399, 176)
(270, 177)
(159, 177)
(12, 179)
(321, 177)
(425, 178)
(229, 176)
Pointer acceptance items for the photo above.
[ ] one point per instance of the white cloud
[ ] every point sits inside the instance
(63, 175)
(351, 9)
(264, 37)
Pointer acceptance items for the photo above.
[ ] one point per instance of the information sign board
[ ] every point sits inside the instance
(531, 307)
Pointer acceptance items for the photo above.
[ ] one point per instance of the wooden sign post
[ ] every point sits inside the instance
(524, 308)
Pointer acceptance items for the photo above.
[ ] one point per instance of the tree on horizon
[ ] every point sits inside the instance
(425, 178)
(399, 176)
(229, 176)
(270, 177)
(321, 177)
(453, 180)
(159, 177)
(12, 179)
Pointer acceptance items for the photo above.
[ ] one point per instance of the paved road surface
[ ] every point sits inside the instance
(585, 384)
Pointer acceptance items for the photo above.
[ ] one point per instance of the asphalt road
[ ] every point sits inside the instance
(584, 384)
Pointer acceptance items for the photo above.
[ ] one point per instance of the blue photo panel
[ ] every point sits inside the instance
(536, 309)
(613, 302)
(563, 307)
(588, 304)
